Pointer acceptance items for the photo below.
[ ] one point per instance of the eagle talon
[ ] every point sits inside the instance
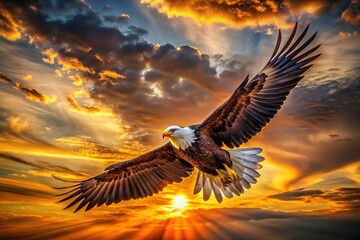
(224, 177)
(233, 175)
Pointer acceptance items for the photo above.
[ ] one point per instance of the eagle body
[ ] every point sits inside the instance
(204, 153)
(223, 172)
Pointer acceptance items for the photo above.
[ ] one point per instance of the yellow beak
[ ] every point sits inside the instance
(166, 133)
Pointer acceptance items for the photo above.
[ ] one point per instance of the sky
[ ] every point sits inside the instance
(85, 84)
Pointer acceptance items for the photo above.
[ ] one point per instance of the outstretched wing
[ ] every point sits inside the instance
(140, 177)
(255, 102)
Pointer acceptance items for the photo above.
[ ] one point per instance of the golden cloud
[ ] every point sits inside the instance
(307, 6)
(240, 14)
(228, 12)
(9, 28)
(58, 73)
(25, 188)
(18, 124)
(72, 63)
(77, 81)
(60, 174)
(86, 146)
(67, 63)
(107, 74)
(27, 77)
(33, 95)
(50, 55)
(88, 109)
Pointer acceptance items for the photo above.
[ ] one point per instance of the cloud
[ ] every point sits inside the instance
(34, 95)
(5, 78)
(120, 19)
(348, 198)
(27, 77)
(18, 129)
(138, 31)
(18, 124)
(86, 54)
(107, 74)
(86, 146)
(77, 80)
(299, 194)
(185, 72)
(30, 93)
(241, 14)
(44, 168)
(50, 55)
(232, 13)
(313, 113)
(347, 35)
(9, 28)
(17, 160)
(72, 63)
(228, 223)
(25, 188)
(316, 7)
(87, 109)
(352, 13)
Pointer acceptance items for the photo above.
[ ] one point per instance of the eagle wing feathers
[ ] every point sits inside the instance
(140, 177)
(254, 103)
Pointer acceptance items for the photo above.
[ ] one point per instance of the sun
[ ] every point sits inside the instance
(180, 202)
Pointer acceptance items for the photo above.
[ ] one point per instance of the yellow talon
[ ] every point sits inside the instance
(224, 176)
(233, 175)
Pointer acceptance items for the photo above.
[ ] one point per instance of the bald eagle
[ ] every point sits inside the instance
(236, 121)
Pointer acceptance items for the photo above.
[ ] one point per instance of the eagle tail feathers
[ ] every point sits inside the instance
(245, 165)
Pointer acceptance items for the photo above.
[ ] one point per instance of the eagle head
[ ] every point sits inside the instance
(180, 138)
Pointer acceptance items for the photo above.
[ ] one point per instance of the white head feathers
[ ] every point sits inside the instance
(181, 138)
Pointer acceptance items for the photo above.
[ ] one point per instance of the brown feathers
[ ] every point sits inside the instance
(140, 177)
(254, 103)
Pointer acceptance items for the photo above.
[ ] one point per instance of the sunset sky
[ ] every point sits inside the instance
(85, 84)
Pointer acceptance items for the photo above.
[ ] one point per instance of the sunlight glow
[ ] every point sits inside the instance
(180, 202)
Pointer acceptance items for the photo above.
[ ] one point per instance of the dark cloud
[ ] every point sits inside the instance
(262, 224)
(138, 30)
(30, 93)
(298, 194)
(43, 166)
(352, 13)
(78, 45)
(17, 160)
(349, 198)
(120, 19)
(34, 95)
(26, 190)
(319, 130)
(5, 78)
(186, 62)
(344, 195)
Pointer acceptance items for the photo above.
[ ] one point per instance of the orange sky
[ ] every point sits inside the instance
(84, 85)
